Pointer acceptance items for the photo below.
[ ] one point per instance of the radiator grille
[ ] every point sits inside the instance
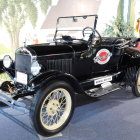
(23, 63)
(64, 65)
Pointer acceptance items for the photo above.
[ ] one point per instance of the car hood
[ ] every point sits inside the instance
(52, 49)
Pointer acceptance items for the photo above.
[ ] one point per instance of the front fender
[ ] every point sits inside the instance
(47, 77)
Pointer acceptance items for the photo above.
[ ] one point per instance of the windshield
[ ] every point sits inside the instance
(73, 26)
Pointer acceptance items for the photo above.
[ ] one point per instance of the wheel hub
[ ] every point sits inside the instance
(52, 107)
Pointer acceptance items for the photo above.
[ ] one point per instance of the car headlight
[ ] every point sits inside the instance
(7, 61)
(35, 68)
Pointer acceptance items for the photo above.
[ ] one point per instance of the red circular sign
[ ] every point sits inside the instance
(103, 56)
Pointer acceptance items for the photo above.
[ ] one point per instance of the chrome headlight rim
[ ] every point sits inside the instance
(7, 61)
(35, 68)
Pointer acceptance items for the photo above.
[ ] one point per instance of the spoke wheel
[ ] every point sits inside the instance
(52, 108)
(55, 109)
(136, 86)
(138, 82)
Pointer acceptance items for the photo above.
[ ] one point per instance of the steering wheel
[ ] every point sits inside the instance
(89, 31)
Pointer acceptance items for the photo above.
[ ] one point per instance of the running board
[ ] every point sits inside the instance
(97, 92)
(13, 103)
(99, 80)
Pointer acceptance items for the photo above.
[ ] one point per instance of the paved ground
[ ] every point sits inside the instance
(115, 116)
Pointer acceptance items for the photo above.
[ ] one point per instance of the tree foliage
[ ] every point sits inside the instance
(119, 28)
(14, 14)
(44, 4)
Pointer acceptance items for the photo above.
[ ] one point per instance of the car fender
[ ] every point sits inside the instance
(48, 77)
(134, 56)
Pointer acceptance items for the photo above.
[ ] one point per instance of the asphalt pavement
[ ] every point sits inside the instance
(115, 116)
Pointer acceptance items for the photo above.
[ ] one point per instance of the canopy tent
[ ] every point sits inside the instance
(70, 8)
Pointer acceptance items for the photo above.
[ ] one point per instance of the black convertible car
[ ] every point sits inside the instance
(78, 61)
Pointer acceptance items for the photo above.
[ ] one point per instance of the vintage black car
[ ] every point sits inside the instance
(78, 61)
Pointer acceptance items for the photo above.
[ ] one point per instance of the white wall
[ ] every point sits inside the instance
(107, 10)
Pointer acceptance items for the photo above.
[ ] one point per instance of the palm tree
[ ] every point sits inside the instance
(44, 4)
(14, 14)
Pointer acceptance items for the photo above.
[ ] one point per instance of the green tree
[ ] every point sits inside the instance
(119, 28)
(15, 13)
(44, 4)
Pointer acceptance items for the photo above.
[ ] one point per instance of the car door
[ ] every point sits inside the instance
(105, 58)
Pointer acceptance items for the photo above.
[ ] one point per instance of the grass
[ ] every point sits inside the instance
(4, 50)
(4, 77)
